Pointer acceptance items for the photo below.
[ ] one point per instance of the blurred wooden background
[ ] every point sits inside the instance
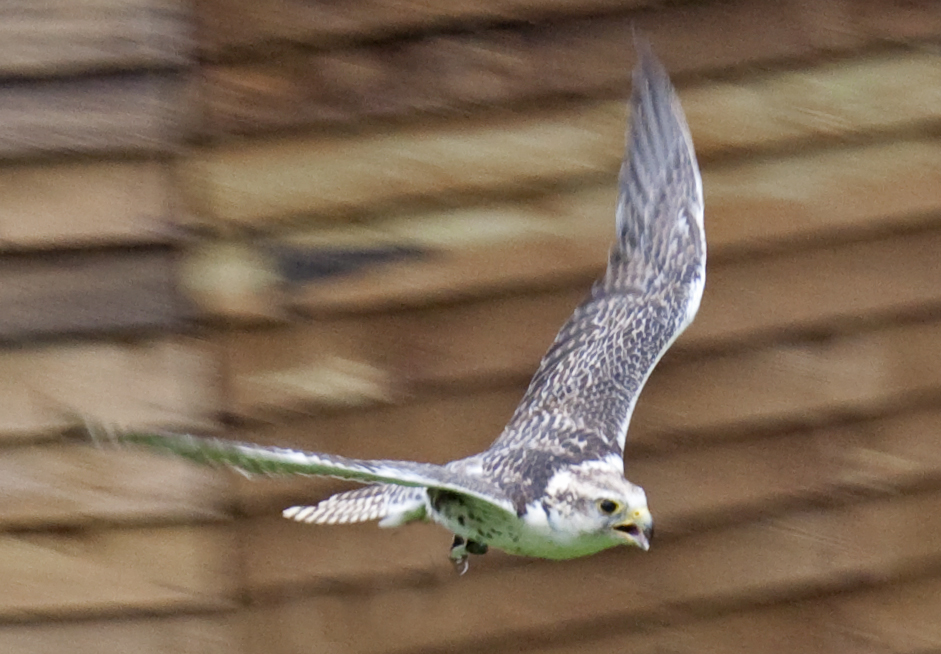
(357, 225)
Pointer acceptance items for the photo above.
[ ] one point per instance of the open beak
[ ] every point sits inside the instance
(638, 529)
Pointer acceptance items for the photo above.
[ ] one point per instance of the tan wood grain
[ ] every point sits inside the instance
(202, 634)
(264, 181)
(108, 113)
(562, 236)
(270, 181)
(768, 28)
(897, 617)
(90, 292)
(745, 299)
(40, 37)
(460, 73)
(850, 191)
(276, 371)
(895, 22)
(380, 357)
(237, 24)
(901, 619)
(85, 203)
(84, 573)
(801, 382)
(164, 381)
(80, 485)
(341, 556)
(802, 553)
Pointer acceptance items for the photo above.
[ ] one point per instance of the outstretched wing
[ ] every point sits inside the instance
(580, 401)
(256, 459)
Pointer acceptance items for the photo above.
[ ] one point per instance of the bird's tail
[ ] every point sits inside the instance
(392, 505)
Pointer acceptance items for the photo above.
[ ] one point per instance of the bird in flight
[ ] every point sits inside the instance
(552, 485)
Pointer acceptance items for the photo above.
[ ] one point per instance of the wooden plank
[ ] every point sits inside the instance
(335, 367)
(90, 292)
(804, 626)
(798, 383)
(63, 37)
(730, 483)
(856, 274)
(165, 381)
(226, 25)
(261, 182)
(826, 101)
(899, 618)
(95, 572)
(460, 73)
(828, 192)
(79, 485)
(339, 558)
(84, 203)
(744, 299)
(110, 113)
(801, 554)
(250, 281)
(765, 28)
(711, 487)
(565, 236)
(377, 357)
(202, 634)
(892, 21)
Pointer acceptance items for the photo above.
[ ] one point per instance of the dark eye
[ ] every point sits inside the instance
(608, 506)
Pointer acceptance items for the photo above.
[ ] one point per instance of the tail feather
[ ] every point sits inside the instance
(393, 505)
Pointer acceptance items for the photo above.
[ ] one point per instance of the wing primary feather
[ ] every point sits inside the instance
(659, 209)
(273, 461)
(259, 460)
(579, 402)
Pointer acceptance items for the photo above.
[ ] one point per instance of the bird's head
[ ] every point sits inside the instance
(600, 503)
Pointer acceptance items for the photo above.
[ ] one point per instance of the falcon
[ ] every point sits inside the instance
(552, 484)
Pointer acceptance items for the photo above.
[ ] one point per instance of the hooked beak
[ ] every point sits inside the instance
(638, 529)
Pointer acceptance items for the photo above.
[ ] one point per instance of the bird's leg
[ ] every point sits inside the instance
(459, 555)
(460, 548)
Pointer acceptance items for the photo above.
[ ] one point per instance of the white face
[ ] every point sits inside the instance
(601, 504)
(619, 508)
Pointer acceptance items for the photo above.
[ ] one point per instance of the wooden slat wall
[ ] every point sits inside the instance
(357, 226)
(54, 37)
(94, 111)
(93, 203)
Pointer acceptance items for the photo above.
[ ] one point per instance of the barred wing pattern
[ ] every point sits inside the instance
(579, 403)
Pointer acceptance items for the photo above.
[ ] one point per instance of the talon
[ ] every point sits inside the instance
(459, 555)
